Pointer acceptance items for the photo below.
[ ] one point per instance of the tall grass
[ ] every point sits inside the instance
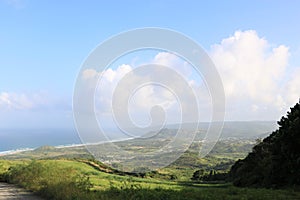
(50, 180)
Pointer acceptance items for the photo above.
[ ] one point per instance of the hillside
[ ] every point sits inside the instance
(275, 162)
(72, 173)
(74, 179)
(234, 129)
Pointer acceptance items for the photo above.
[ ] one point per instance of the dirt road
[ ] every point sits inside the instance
(12, 192)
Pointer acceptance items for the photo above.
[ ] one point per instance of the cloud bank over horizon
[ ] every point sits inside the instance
(259, 83)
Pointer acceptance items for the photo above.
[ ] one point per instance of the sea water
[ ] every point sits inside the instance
(19, 139)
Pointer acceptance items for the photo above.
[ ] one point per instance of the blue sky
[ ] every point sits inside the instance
(43, 44)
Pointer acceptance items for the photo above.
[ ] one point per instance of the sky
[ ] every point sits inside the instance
(254, 44)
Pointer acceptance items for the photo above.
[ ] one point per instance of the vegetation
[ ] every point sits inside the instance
(275, 162)
(200, 175)
(72, 173)
(49, 180)
(74, 179)
(223, 156)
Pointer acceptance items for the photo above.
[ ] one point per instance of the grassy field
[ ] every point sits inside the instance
(75, 179)
(71, 173)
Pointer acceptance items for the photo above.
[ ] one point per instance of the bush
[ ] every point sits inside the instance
(49, 180)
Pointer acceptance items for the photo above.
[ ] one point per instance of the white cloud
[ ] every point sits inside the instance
(258, 81)
(143, 98)
(175, 62)
(150, 95)
(15, 101)
(256, 73)
(292, 88)
(12, 101)
(89, 74)
(34, 110)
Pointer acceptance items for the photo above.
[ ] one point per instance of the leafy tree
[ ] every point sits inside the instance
(274, 162)
(198, 174)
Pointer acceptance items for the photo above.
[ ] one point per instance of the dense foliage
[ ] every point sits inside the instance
(212, 176)
(275, 162)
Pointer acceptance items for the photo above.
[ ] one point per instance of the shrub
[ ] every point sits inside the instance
(50, 180)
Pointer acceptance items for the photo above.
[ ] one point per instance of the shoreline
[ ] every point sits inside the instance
(15, 151)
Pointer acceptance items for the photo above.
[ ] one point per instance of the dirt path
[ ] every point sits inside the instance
(12, 192)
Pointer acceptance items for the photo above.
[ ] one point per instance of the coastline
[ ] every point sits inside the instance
(15, 151)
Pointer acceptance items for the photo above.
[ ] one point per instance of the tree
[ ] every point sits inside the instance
(198, 174)
(275, 161)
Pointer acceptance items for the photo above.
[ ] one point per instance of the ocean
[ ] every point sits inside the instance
(18, 139)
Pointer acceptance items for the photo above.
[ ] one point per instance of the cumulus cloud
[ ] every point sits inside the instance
(292, 88)
(255, 75)
(89, 74)
(175, 62)
(149, 95)
(258, 81)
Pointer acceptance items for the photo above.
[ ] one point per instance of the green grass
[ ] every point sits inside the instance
(6, 164)
(206, 192)
(67, 179)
